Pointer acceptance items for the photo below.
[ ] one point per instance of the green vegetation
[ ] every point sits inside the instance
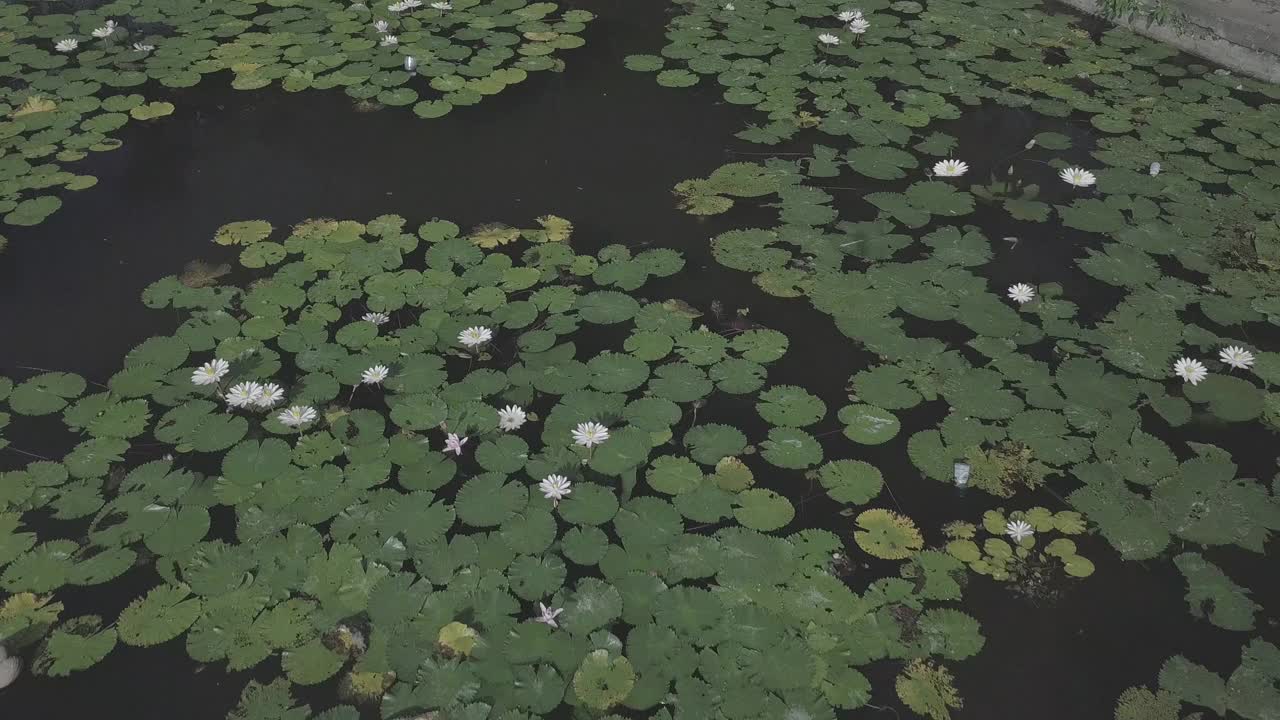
(1169, 214)
(358, 549)
(1252, 691)
(1034, 564)
(414, 472)
(66, 100)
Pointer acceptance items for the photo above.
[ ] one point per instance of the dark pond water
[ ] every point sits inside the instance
(601, 146)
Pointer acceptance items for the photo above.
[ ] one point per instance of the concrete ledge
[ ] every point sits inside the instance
(1243, 35)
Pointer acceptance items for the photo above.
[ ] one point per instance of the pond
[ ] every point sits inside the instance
(638, 360)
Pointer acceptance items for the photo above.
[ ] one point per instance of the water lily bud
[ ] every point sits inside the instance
(1030, 144)
(1155, 169)
(962, 474)
(410, 63)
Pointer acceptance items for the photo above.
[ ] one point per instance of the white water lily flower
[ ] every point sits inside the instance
(442, 6)
(1237, 357)
(143, 47)
(548, 615)
(66, 45)
(106, 30)
(511, 417)
(375, 375)
(950, 168)
(376, 318)
(859, 25)
(554, 487)
(730, 7)
(381, 25)
(389, 40)
(1021, 293)
(405, 5)
(1019, 530)
(244, 394)
(1078, 177)
(297, 415)
(475, 336)
(453, 444)
(845, 16)
(1154, 169)
(210, 372)
(828, 39)
(271, 395)
(588, 434)
(10, 668)
(1192, 371)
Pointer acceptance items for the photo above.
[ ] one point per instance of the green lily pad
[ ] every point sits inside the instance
(763, 510)
(851, 481)
(162, 615)
(868, 424)
(602, 682)
(888, 535)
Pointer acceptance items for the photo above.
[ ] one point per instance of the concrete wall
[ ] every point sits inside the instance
(1243, 35)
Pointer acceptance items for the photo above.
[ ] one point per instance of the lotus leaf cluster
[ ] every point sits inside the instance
(430, 471)
(1031, 562)
(60, 106)
(1142, 184)
(350, 545)
(1251, 691)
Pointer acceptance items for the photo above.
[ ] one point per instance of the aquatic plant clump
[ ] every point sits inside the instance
(1029, 549)
(387, 523)
(1103, 399)
(940, 62)
(1102, 377)
(71, 87)
(1250, 691)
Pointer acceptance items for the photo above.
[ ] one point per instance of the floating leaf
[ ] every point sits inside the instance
(602, 682)
(458, 639)
(1211, 593)
(151, 110)
(763, 510)
(791, 448)
(673, 475)
(75, 645)
(47, 393)
(311, 664)
(1253, 690)
(851, 481)
(244, 232)
(790, 406)
(868, 424)
(1193, 683)
(888, 535)
(928, 689)
(1139, 703)
(162, 615)
(881, 162)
